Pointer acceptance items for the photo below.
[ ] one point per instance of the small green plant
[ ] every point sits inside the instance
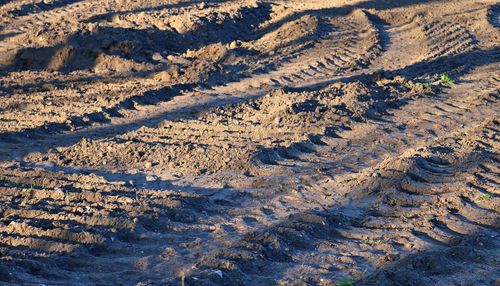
(423, 87)
(485, 197)
(372, 241)
(447, 79)
(345, 283)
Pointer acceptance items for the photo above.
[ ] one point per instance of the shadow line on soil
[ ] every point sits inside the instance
(33, 8)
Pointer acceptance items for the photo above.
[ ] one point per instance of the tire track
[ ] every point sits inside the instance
(55, 213)
(447, 38)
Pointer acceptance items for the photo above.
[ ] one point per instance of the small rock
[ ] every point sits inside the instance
(92, 27)
(190, 53)
(147, 165)
(151, 178)
(277, 120)
(163, 76)
(234, 44)
(219, 273)
(157, 57)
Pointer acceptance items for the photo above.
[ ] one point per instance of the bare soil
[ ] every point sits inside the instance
(249, 142)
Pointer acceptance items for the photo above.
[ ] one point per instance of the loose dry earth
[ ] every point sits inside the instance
(249, 142)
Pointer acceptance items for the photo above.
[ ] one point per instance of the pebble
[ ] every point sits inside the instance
(234, 44)
(219, 273)
(151, 178)
(163, 76)
(190, 53)
(157, 57)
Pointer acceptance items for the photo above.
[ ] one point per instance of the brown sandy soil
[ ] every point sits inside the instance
(249, 142)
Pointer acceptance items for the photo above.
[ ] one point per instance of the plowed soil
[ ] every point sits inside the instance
(249, 142)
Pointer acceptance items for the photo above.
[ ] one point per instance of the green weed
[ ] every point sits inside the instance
(423, 87)
(372, 241)
(485, 197)
(447, 79)
(345, 283)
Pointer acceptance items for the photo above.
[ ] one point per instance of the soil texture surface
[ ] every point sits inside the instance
(250, 142)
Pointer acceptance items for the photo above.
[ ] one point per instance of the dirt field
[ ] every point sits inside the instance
(249, 142)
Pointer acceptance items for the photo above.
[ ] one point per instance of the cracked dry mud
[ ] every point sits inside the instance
(249, 142)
